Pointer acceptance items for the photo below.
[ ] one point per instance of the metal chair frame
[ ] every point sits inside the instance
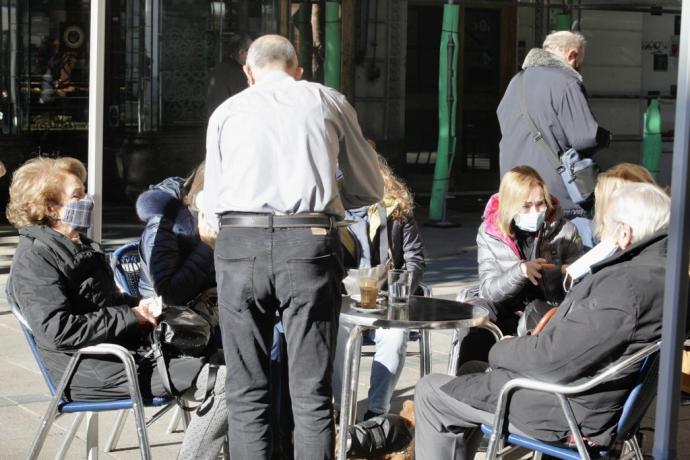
(562, 392)
(468, 292)
(58, 406)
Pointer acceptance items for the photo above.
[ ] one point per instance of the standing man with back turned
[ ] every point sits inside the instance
(271, 158)
(556, 101)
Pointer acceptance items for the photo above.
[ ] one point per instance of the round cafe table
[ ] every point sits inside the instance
(423, 314)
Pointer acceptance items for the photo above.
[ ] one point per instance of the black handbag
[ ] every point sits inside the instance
(180, 332)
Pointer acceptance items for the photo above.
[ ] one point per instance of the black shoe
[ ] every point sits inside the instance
(383, 434)
(369, 414)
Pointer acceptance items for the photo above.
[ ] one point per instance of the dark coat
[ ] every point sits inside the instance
(175, 263)
(66, 292)
(611, 314)
(557, 103)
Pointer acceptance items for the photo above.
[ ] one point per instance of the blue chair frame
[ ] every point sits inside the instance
(59, 406)
(636, 404)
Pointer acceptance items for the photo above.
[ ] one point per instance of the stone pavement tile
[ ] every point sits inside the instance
(18, 435)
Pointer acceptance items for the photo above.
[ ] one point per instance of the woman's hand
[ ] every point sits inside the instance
(531, 269)
(145, 312)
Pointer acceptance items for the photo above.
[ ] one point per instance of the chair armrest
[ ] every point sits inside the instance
(561, 391)
(105, 349)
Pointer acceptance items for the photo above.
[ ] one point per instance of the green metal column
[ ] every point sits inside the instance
(447, 102)
(332, 61)
(651, 137)
(564, 21)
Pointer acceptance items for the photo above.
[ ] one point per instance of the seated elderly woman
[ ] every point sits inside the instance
(611, 180)
(522, 246)
(612, 311)
(64, 287)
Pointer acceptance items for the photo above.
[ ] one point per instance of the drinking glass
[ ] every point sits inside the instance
(399, 285)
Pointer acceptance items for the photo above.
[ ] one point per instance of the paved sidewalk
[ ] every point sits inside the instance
(451, 257)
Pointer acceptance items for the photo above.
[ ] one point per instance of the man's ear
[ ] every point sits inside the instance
(248, 72)
(298, 72)
(572, 57)
(625, 236)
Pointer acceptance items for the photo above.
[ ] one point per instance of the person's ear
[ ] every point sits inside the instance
(248, 72)
(571, 58)
(624, 236)
(298, 72)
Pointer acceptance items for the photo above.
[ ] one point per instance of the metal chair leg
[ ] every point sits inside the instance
(536, 455)
(69, 436)
(353, 349)
(635, 447)
(115, 434)
(92, 435)
(454, 354)
(424, 352)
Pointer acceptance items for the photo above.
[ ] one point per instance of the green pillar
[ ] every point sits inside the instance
(651, 137)
(332, 61)
(447, 102)
(563, 21)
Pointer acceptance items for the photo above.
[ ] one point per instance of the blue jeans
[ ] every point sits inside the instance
(390, 346)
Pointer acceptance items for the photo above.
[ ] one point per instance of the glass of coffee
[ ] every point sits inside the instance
(368, 290)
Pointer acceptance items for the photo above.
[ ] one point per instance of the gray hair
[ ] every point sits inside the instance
(272, 51)
(563, 40)
(644, 207)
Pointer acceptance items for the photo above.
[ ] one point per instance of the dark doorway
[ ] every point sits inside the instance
(486, 64)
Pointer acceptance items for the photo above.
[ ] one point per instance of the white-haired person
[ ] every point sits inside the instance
(612, 310)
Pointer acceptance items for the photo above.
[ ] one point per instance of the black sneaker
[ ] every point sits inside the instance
(379, 435)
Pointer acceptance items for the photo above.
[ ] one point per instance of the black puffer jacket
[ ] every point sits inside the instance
(67, 295)
(557, 104)
(175, 263)
(611, 314)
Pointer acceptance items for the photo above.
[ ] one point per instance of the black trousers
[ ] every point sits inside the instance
(297, 272)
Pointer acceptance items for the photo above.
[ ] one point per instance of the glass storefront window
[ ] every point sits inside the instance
(44, 50)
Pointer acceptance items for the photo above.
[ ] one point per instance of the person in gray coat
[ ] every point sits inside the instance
(613, 312)
(556, 101)
(523, 244)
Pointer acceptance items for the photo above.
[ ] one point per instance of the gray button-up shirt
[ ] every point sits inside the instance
(274, 148)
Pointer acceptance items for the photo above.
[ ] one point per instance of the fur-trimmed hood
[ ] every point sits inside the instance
(538, 57)
(165, 200)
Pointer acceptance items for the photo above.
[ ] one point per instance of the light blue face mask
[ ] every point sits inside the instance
(531, 221)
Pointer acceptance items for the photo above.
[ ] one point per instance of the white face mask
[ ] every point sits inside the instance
(582, 266)
(530, 222)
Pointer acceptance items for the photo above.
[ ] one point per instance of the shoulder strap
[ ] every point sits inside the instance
(384, 238)
(536, 134)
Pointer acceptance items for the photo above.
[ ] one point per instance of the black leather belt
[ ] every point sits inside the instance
(273, 221)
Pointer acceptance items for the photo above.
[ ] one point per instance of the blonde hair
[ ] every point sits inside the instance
(514, 190)
(395, 190)
(193, 185)
(611, 180)
(38, 184)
